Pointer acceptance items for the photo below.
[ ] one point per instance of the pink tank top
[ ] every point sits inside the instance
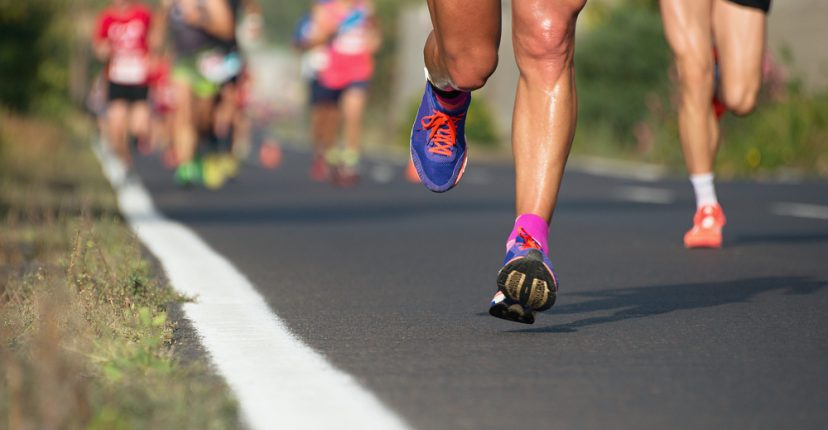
(350, 56)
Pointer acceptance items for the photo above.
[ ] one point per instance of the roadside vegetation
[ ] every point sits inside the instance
(85, 340)
(85, 336)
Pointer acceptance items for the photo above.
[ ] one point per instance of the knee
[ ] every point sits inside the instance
(695, 75)
(469, 67)
(741, 98)
(544, 47)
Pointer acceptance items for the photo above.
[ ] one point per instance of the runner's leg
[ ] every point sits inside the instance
(460, 55)
(543, 126)
(353, 105)
(461, 50)
(139, 121)
(740, 37)
(117, 112)
(688, 27)
(185, 130)
(546, 106)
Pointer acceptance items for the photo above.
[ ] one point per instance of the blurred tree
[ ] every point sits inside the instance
(27, 53)
(621, 63)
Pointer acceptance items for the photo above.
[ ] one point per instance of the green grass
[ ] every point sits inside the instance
(84, 333)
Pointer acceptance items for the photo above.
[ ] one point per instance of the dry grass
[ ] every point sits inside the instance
(84, 337)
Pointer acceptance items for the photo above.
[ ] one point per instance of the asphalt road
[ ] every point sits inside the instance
(392, 284)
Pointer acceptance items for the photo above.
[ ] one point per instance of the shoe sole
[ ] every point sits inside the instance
(708, 242)
(703, 245)
(528, 281)
(514, 312)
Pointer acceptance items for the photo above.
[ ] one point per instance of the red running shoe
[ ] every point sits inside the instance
(707, 228)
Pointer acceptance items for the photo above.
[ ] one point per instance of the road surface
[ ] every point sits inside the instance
(391, 283)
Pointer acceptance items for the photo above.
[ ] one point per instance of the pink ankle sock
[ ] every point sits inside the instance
(450, 99)
(452, 103)
(536, 226)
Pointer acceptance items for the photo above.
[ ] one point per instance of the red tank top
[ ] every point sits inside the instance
(126, 30)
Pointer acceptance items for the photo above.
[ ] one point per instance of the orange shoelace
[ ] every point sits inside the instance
(528, 241)
(443, 132)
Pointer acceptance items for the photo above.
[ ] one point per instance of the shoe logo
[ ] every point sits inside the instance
(526, 241)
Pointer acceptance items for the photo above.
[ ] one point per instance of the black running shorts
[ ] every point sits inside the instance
(763, 5)
(127, 93)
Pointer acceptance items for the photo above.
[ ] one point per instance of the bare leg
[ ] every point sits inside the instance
(324, 126)
(461, 51)
(139, 120)
(687, 25)
(740, 39)
(225, 112)
(546, 106)
(117, 124)
(184, 134)
(353, 108)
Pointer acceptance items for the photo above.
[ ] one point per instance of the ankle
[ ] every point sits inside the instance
(535, 226)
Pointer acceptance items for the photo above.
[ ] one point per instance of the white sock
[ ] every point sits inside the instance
(704, 188)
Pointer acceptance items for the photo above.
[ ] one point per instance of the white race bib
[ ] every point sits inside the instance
(129, 69)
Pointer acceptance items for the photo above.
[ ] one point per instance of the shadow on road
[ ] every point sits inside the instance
(641, 302)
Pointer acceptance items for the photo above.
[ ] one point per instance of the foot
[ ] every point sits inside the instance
(212, 172)
(438, 143)
(188, 173)
(527, 277)
(707, 228)
(270, 156)
(505, 308)
(345, 176)
(320, 171)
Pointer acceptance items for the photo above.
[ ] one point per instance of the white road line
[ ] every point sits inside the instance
(279, 381)
(617, 168)
(801, 210)
(645, 195)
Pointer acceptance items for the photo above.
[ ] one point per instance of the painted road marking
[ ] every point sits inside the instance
(279, 381)
(645, 195)
(801, 210)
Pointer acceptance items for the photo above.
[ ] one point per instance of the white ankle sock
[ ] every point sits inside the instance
(704, 188)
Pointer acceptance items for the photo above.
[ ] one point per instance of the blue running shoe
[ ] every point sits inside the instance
(505, 308)
(527, 277)
(438, 143)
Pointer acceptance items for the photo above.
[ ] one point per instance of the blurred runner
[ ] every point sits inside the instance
(324, 114)
(121, 40)
(348, 31)
(730, 75)
(460, 55)
(203, 32)
(231, 125)
(162, 102)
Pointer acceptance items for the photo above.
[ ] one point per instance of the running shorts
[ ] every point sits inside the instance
(320, 94)
(186, 70)
(763, 5)
(127, 93)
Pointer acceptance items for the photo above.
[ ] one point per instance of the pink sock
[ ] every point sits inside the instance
(453, 103)
(536, 226)
(450, 99)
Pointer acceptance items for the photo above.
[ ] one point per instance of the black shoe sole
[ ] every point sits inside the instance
(528, 282)
(514, 312)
